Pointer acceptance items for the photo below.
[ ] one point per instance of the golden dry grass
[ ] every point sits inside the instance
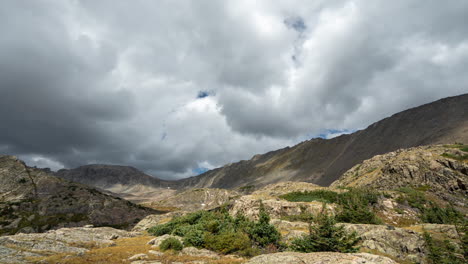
(122, 250)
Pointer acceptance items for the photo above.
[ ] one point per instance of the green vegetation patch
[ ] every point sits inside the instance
(223, 233)
(456, 157)
(430, 212)
(171, 244)
(354, 205)
(444, 251)
(326, 235)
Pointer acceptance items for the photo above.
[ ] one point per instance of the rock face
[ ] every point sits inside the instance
(15, 249)
(322, 161)
(396, 242)
(249, 206)
(152, 220)
(33, 201)
(319, 258)
(432, 167)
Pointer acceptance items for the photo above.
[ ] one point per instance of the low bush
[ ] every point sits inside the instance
(171, 243)
(325, 235)
(437, 215)
(442, 252)
(309, 196)
(430, 212)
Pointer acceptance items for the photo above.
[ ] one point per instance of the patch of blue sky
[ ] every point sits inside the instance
(199, 170)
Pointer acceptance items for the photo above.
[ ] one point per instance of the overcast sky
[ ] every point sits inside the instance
(176, 87)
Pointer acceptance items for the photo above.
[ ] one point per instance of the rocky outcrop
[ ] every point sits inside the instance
(249, 206)
(392, 241)
(197, 199)
(33, 201)
(433, 167)
(152, 220)
(405, 244)
(18, 248)
(319, 258)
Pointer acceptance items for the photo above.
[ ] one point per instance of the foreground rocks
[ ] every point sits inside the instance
(17, 248)
(319, 258)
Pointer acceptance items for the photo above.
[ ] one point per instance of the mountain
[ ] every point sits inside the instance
(322, 161)
(318, 161)
(123, 181)
(31, 200)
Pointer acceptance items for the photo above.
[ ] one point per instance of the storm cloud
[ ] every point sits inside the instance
(178, 87)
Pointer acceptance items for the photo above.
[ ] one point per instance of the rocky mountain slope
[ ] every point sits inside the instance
(33, 201)
(318, 161)
(322, 161)
(441, 169)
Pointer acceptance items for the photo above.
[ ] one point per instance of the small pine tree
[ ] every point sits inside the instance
(325, 235)
(262, 232)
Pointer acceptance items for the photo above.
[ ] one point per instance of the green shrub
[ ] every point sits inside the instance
(160, 230)
(438, 215)
(194, 238)
(228, 242)
(221, 232)
(171, 243)
(412, 197)
(325, 235)
(309, 196)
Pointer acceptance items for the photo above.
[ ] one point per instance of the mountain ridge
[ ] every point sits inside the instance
(322, 161)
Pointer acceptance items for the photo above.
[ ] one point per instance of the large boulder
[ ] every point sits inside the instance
(319, 258)
(396, 242)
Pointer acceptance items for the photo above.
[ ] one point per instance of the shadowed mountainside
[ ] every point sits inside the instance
(31, 200)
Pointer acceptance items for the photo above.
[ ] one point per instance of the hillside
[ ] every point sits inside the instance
(33, 201)
(322, 161)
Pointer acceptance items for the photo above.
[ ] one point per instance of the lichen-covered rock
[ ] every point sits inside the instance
(195, 252)
(249, 205)
(319, 258)
(155, 219)
(397, 242)
(14, 249)
(140, 256)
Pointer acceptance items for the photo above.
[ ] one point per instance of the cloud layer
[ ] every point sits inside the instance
(175, 87)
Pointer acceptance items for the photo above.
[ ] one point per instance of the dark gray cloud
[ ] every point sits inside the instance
(172, 86)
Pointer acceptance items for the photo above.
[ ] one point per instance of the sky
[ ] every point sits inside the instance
(177, 87)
